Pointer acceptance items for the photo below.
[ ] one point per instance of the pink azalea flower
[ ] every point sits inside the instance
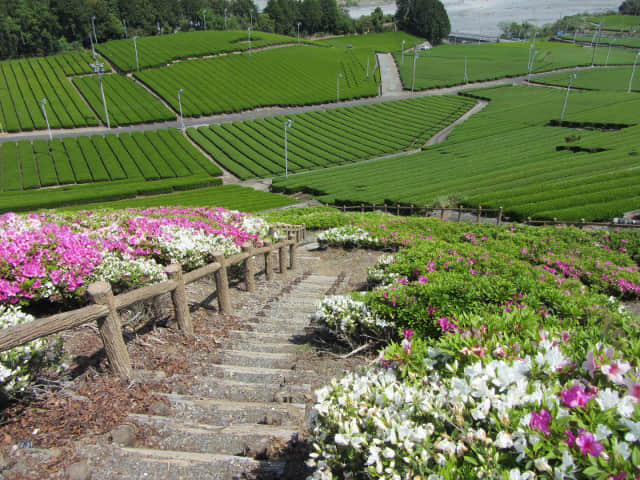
(575, 397)
(422, 279)
(571, 438)
(407, 333)
(615, 371)
(588, 444)
(540, 421)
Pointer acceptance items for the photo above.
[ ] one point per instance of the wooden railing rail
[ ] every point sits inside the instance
(106, 305)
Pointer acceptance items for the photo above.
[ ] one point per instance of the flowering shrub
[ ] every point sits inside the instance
(124, 273)
(19, 366)
(517, 362)
(348, 236)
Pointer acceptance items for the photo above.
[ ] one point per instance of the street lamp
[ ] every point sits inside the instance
(338, 87)
(287, 124)
(93, 27)
(566, 97)
(402, 52)
(225, 18)
(180, 108)
(533, 57)
(135, 49)
(298, 32)
(413, 75)
(98, 68)
(606, 62)
(633, 71)
(44, 112)
(204, 18)
(249, 33)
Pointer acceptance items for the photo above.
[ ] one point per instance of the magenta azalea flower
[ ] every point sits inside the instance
(540, 421)
(575, 396)
(588, 444)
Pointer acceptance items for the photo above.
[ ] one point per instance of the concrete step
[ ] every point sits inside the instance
(257, 359)
(118, 463)
(261, 375)
(237, 390)
(253, 440)
(256, 346)
(227, 412)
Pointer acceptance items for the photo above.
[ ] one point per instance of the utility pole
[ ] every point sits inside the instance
(98, 68)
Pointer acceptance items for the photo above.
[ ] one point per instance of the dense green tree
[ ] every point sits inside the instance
(424, 18)
(630, 7)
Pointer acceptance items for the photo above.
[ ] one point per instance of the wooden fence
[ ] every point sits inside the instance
(455, 213)
(105, 305)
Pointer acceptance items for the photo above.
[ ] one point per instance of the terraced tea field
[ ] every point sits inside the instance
(255, 148)
(151, 155)
(233, 197)
(444, 65)
(24, 83)
(508, 155)
(159, 50)
(613, 79)
(127, 102)
(379, 42)
(299, 75)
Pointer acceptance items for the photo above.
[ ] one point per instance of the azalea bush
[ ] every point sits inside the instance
(47, 261)
(514, 357)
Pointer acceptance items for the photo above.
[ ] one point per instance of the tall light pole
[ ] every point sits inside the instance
(595, 49)
(402, 52)
(93, 27)
(466, 77)
(338, 87)
(44, 113)
(251, 18)
(93, 48)
(124, 23)
(98, 68)
(249, 33)
(533, 57)
(533, 43)
(287, 124)
(413, 75)
(566, 97)
(204, 18)
(180, 108)
(298, 32)
(367, 66)
(135, 49)
(633, 71)
(225, 18)
(606, 62)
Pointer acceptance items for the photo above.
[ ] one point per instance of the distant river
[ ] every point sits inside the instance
(483, 16)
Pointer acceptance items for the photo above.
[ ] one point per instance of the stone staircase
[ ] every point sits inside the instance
(239, 412)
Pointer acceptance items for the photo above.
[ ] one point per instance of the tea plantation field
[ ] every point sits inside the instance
(127, 101)
(445, 65)
(255, 148)
(604, 42)
(159, 50)
(233, 197)
(297, 75)
(379, 42)
(24, 83)
(613, 79)
(510, 155)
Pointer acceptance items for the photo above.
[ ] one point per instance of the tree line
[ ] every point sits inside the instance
(41, 27)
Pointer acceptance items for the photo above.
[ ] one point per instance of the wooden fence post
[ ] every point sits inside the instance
(426, 210)
(282, 257)
(397, 209)
(110, 330)
(292, 252)
(373, 207)
(412, 207)
(344, 208)
(249, 271)
(362, 208)
(479, 213)
(500, 216)
(459, 213)
(441, 213)
(268, 261)
(385, 207)
(222, 284)
(179, 298)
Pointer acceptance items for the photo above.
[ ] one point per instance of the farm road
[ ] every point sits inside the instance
(392, 94)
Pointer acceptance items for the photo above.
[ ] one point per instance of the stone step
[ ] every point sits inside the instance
(253, 440)
(239, 391)
(257, 359)
(260, 374)
(142, 463)
(257, 346)
(264, 337)
(227, 412)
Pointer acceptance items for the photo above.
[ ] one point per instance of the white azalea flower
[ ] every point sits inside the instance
(607, 399)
